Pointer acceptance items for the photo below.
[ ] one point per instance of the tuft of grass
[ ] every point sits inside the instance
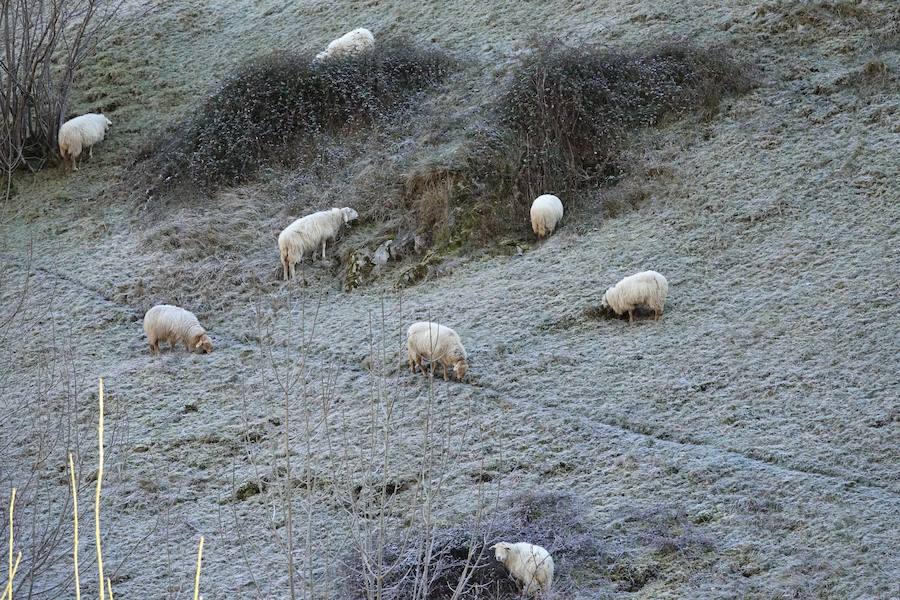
(274, 107)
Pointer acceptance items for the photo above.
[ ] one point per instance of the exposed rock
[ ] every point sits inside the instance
(383, 253)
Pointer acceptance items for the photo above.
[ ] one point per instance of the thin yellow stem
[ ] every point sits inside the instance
(9, 583)
(109, 588)
(197, 577)
(101, 579)
(75, 518)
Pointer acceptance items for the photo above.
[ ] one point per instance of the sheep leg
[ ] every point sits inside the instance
(90, 152)
(445, 370)
(412, 362)
(631, 317)
(154, 346)
(323, 249)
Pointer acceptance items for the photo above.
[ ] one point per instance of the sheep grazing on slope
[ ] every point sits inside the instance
(353, 42)
(174, 324)
(79, 134)
(647, 289)
(306, 234)
(531, 565)
(438, 345)
(546, 213)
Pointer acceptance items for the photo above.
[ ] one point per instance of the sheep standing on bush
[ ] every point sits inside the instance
(353, 42)
(647, 289)
(531, 565)
(307, 233)
(546, 213)
(79, 134)
(436, 344)
(175, 324)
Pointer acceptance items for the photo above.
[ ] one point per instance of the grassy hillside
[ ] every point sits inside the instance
(743, 446)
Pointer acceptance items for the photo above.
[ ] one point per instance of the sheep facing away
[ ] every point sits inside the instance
(79, 134)
(546, 213)
(529, 564)
(438, 345)
(353, 42)
(647, 289)
(175, 324)
(306, 234)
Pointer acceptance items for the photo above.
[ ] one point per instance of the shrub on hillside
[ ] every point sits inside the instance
(554, 520)
(275, 102)
(563, 120)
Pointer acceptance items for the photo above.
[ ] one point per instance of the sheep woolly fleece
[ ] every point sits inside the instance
(175, 324)
(532, 565)
(546, 213)
(437, 344)
(646, 289)
(306, 234)
(353, 42)
(81, 133)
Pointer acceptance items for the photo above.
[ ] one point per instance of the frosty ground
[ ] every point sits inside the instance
(746, 445)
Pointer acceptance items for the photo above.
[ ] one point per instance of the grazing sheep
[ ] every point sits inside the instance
(174, 324)
(546, 213)
(646, 289)
(307, 233)
(353, 42)
(529, 564)
(436, 344)
(79, 133)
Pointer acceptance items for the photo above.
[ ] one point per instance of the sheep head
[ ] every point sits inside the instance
(604, 303)
(501, 551)
(460, 367)
(202, 342)
(349, 214)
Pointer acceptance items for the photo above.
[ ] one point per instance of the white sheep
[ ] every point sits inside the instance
(175, 324)
(531, 565)
(438, 345)
(647, 289)
(353, 42)
(546, 213)
(307, 233)
(79, 134)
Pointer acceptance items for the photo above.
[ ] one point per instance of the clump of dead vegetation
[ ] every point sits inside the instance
(463, 566)
(560, 127)
(274, 107)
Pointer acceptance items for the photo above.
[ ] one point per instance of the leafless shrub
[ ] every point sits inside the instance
(554, 520)
(561, 125)
(273, 102)
(45, 41)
